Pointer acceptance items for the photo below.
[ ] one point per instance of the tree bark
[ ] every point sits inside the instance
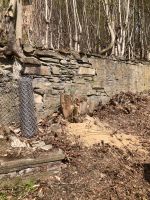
(14, 22)
(19, 23)
(47, 24)
(110, 24)
(69, 25)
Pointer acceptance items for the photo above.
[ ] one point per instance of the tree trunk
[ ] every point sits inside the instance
(110, 27)
(14, 22)
(19, 23)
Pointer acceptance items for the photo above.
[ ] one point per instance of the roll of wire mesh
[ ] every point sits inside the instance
(27, 112)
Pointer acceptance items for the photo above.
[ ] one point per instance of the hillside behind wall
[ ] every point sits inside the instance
(97, 79)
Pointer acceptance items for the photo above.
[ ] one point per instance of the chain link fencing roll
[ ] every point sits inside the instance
(9, 104)
(27, 111)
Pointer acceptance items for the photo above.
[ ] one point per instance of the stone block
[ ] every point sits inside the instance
(64, 62)
(85, 59)
(41, 87)
(97, 87)
(73, 62)
(79, 81)
(48, 53)
(58, 87)
(49, 60)
(56, 80)
(73, 67)
(85, 65)
(56, 70)
(28, 49)
(41, 71)
(86, 71)
(31, 60)
(88, 79)
(55, 92)
(91, 92)
(38, 99)
(39, 91)
(40, 82)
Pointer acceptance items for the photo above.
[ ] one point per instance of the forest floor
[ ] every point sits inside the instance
(107, 155)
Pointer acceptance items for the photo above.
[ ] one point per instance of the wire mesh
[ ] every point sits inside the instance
(17, 105)
(27, 112)
(9, 103)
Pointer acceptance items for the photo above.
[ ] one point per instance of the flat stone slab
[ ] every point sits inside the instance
(48, 53)
(86, 71)
(41, 71)
(31, 174)
(31, 60)
(20, 164)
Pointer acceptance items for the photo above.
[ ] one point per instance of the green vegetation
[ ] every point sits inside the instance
(18, 190)
(3, 196)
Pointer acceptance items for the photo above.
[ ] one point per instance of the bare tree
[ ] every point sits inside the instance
(13, 20)
(110, 22)
(110, 27)
(69, 24)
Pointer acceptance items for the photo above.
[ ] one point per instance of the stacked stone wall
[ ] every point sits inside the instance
(97, 79)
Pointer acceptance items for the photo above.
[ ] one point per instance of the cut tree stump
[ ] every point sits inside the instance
(20, 164)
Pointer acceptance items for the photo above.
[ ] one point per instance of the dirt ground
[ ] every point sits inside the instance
(93, 131)
(107, 156)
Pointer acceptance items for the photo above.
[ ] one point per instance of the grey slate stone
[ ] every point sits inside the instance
(56, 70)
(49, 60)
(48, 53)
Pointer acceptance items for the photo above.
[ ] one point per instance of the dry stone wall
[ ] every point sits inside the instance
(97, 79)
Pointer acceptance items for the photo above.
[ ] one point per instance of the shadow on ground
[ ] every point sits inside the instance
(147, 172)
